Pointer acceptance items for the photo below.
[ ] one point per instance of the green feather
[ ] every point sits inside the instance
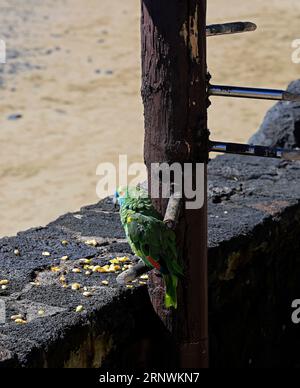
(171, 291)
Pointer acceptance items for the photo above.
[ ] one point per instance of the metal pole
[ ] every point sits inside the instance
(230, 28)
(254, 150)
(173, 43)
(255, 93)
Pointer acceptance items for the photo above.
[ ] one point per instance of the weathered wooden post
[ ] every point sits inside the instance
(175, 101)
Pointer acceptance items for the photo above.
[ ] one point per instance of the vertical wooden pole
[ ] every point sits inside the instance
(174, 95)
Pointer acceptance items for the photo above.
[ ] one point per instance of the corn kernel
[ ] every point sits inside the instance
(114, 261)
(46, 254)
(85, 261)
(87, 294)
(15, 317)
(20, 321)
(96, 268)
(65, 242)
(64, 258)
(126, 266)
(129, 286)
(76, 270)
(55, 269)
(62, 279)
(92, 243)
(113, 268)
(41, 312)
(144, 277)
(3, 287)
(17, 252)
(88, 273)
(4, 282)
(79, 309)
(75, 286)
(123, 259)
(105, 282)
(36, 283)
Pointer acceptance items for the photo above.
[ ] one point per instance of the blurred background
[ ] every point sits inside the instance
(70, 93)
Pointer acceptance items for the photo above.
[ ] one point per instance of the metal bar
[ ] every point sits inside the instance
(254, 150)
(230, 28)
(255, 93)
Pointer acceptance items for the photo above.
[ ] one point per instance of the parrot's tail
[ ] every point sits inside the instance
(171, 291)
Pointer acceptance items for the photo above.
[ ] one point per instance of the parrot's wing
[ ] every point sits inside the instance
(154, 241)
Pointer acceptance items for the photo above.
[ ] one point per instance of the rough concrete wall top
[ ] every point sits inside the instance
(34, 287)
(244, 191)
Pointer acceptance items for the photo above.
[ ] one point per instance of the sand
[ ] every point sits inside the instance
(73, 73)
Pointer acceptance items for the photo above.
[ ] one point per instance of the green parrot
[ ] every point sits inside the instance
(149, 238)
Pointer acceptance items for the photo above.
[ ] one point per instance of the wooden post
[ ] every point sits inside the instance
(175, 102)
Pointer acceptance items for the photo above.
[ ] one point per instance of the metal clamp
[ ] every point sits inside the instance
(230, 28)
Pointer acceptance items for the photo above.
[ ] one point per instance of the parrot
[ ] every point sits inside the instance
(149, 238)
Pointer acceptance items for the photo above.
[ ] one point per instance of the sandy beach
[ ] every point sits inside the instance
(70, 93)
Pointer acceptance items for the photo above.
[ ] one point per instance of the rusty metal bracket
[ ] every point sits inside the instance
(230, 28)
